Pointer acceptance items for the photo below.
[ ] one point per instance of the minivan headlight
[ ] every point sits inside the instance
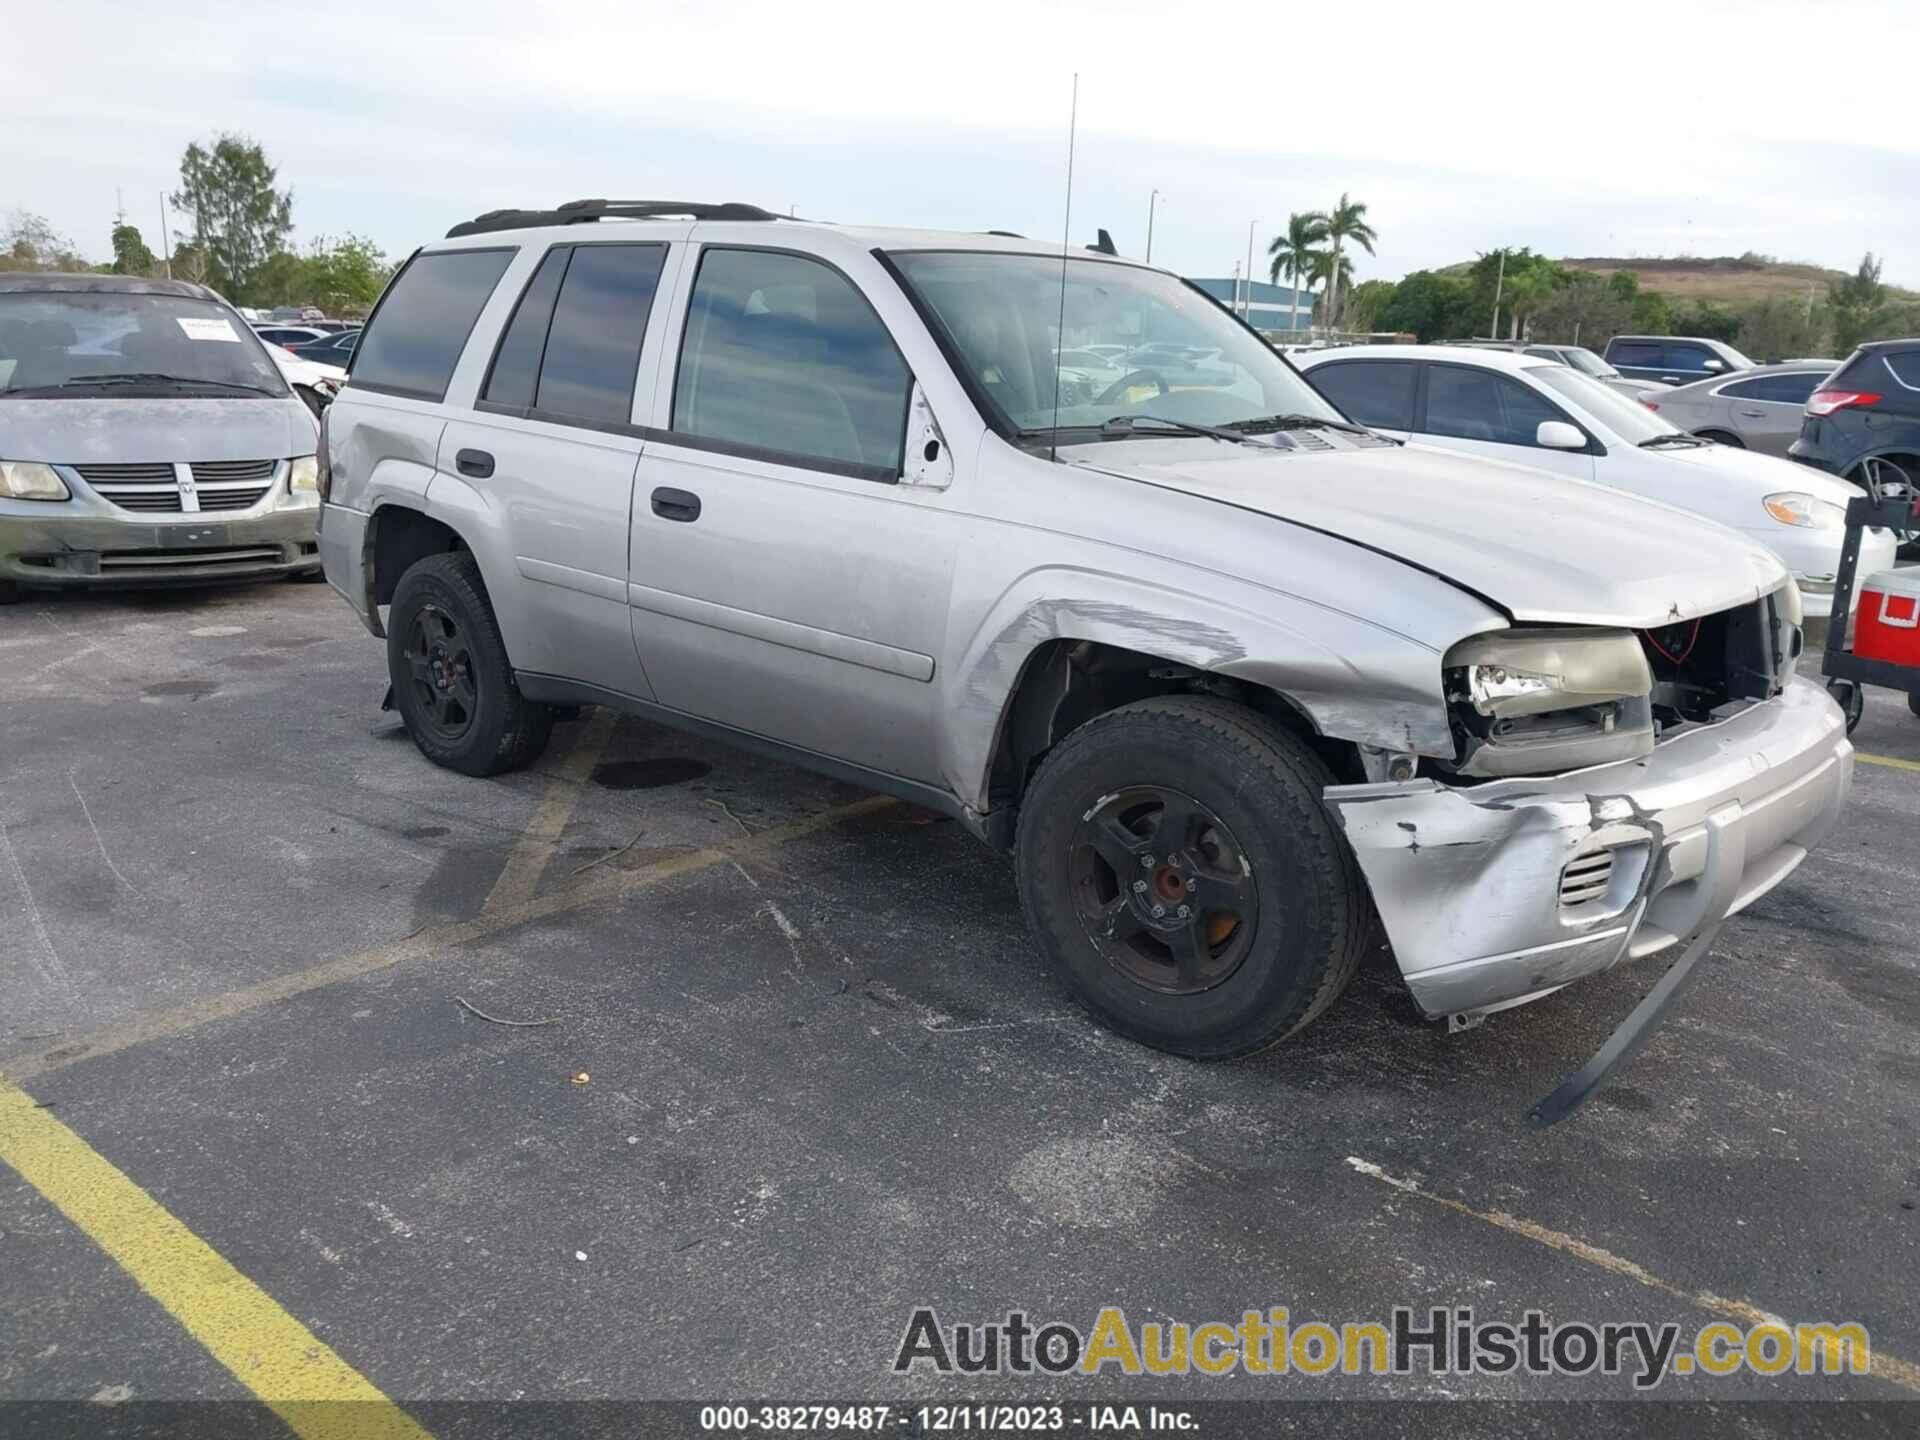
(31, 480)
(1539, 701)
(303, 475)
(1792, 507)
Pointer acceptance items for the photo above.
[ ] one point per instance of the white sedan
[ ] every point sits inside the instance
(1522, 409)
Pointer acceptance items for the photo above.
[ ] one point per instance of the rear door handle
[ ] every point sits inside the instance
(1753, 414)
(477, 463)
(671, 504)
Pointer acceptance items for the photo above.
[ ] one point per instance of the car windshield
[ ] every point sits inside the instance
(1588, 363)
(110, 341)
(1631, 421)
(1180, 356)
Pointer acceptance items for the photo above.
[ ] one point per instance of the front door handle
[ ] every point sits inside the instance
(671, 504)
(477, 463)
(1752, 414)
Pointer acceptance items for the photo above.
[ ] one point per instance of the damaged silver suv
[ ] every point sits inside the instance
(1227, 673)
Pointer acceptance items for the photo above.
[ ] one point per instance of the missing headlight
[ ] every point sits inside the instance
(1540, 701)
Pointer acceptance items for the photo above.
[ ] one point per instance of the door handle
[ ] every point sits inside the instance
(1752, 414)
(671, 504)
(477, 463)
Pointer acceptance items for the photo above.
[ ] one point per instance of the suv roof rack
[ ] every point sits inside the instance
(576, 212)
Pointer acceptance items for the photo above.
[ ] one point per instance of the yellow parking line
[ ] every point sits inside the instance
(1887, 760)
(1891, 1368)
(520, 876)
(276, 1357)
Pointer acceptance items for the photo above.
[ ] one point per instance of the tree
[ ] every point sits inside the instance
(239, 219)
(346, 274)
(1327, 273)
(1703, 317)
(130, 253)
(1346, 221)
(1585, 310)
(1514, 281)
(1775, 328)
(1430, 306)
(1295, 253)
(29, 242)
(1366, 301)
(1856, 303)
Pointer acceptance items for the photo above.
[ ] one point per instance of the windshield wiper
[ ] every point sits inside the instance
(1123, 425)
(1685, 442)
(154, 377)
(1264, 424)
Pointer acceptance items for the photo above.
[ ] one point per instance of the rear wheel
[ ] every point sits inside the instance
(1178, 867)
(452, 682)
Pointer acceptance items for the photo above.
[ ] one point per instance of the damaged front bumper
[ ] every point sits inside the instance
(1496, 894)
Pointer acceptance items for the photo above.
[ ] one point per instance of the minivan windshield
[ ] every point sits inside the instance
(1587, 363)
(75, 343)
(1179, 356)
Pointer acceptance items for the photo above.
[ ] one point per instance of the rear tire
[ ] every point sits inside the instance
(1279, 913)
(452, 682)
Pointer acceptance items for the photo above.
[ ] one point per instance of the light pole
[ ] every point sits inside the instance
(1247, 314)
(1153, 204)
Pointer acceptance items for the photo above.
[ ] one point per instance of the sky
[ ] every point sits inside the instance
(1689, 127)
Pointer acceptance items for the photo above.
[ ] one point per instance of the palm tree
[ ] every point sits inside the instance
(1294, 254)
(1347, 221)
(1329, 271)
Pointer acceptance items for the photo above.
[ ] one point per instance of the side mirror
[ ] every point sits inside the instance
(928, 462)
(1559, 435)
(1713, 367)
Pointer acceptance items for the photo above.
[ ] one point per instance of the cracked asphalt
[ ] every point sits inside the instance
(245, 931)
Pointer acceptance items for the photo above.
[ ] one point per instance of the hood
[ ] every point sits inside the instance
(132, 429)
(1764, 475)
(1543, 548)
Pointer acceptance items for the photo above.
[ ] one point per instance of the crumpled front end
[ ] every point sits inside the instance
(1498, 893)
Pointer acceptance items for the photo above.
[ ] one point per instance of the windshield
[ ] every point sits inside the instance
(1588, 363)
(1739, 361)
(88, 344)
(1179, 357)
(1628, 419)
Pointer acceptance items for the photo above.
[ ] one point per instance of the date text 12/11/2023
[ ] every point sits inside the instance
(944, 1419)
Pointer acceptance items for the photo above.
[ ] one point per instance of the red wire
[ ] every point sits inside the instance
(1681, 658)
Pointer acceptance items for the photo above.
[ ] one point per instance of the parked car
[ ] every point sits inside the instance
(1577, 357)
(1220, 669)
(334, 327)
(334, 349)
(147, 436)
(1514, 407)
(1863, 422)
(316, 384)
(1757, 409)
(289, 334)
(1673, 359)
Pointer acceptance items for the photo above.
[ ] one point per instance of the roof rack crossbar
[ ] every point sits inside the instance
(576, 212)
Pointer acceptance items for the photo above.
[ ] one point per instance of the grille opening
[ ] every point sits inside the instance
(213, 471)
(1746, 653)
(209, 559)
(1586, 878)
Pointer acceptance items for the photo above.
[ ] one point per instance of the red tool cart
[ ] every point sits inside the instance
(1886, 632)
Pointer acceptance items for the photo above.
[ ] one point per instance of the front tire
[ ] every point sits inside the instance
(1722, 437)
(1209, 814)
(452, 682)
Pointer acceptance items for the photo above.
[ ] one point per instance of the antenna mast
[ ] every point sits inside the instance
(1066, 240)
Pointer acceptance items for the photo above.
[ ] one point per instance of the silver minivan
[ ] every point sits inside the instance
(145, 437)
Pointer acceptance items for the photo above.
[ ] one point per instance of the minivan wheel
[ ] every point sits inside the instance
(1178, 867)
(452, 682)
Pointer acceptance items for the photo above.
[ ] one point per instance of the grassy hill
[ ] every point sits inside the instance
(1727, 280)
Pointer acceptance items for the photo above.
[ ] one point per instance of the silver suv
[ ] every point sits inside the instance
(1227, 674)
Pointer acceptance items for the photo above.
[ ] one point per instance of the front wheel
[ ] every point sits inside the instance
(1851, 697)
(1178, 867)
(452, 682)
(1913, 701)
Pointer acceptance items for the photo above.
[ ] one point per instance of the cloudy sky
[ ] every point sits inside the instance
(1697, 127)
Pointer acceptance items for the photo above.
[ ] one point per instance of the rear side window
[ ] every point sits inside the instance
(516, 365)
(416, 335)
(1480, 405)
(1778, 389)
(783, 356)
(593, 344)
(1374, 392)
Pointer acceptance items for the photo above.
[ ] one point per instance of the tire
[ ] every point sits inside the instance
(452, 682)
(9, 593)
(1253, 791)
(1722, 437)
(1913, 702)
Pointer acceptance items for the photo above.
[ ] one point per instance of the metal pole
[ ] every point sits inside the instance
(1153, 203)
(166, 242)
(1247, 314)
(1493, 329)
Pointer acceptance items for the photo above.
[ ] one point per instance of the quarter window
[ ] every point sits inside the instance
(1374, 392)
(784, 356)
(1468, 404)
(516, 365)
(423, 321)
(1905, 365)
(1777, 389)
